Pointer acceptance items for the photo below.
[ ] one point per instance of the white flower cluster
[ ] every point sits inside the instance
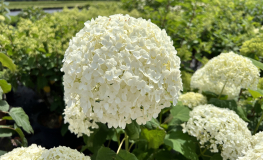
(229, 69)
(192, 99)
(201, 81)
(35, 152)
(32, 152)
(62, 153)
(219, 129)
(256, 153)
(120, 68)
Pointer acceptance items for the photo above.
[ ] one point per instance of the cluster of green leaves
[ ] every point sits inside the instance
(202, 29)
(16, 114)
(37, 45)
(4, 9)
(154, 140)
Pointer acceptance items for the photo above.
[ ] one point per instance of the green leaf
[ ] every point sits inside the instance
(154, 137)
(41, 50)
(182, 143)
(21, 135)
(6, 87)
(152, 124)
(230, 104)
(7, 62)
(41, 82)
(105, 153)
(64, 129)
(258, 106)
(242, 114)
(180, 112)
(125, 155)
(4, 106)
(256, 93)
(133, 130)
(2, 152)
(5, 132)
(22, 120)
(216, 156)
(97, 138)
(256, 63)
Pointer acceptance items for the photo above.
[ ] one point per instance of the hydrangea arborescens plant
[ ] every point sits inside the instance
(219, 129)
(33, 152)
(232, 68)
(119, 69)
(192, 99)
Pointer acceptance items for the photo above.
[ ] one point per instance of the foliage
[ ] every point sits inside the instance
(17, 114)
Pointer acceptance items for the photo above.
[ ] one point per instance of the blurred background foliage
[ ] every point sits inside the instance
(200, 30)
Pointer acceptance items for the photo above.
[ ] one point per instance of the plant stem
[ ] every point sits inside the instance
(240, 94)
(222, 90)
(118, 137)
(120, 145)
(126, 142)
(131, 146)
(160, 118)
(260, 120)
(202, 153)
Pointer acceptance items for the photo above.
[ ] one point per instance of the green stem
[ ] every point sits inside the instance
(202, 153)
(126, 142)
(260, 120)
(161, 117)
(222, 90)
(121, 145)
(118, 136)
(131, 146)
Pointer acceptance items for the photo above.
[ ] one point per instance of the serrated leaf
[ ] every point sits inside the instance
(21, 135)
(133, 130)
(5, 132)
(180, 112)
(125, 155)
(154, 137)
(256, 93)
(256, 63)
(7, 62)
(4, 106)
(182, 143)
(152, 124)
(230, 104)
(21, 119)
(105, 153)
(6, 87)
(242, 114)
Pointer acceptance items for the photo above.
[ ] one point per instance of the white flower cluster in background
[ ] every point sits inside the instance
(229, 69)
(201, 81)
(219, 129)
(192, 99)
(35, 152)
(32, 152)
(256, 153)
(234, 69)
(63, 153)
(119, 69)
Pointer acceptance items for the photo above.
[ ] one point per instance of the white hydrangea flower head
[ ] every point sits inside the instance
(200, 80)
(119, 69)
(234, 69)
(219, 129)
(256, 153)
(192, 99)
(32, 152)
(63, 153)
